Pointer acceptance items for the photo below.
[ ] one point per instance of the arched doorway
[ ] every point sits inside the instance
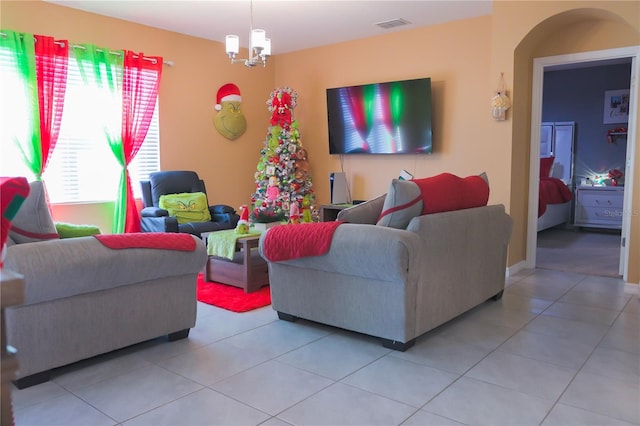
(558, 37)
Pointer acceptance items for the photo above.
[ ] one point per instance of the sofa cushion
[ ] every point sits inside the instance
(445, 192)
(367, 212)
(186, 207)
(33, 222)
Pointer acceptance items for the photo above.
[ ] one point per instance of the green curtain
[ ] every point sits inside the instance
(22, 46)
(104, 68)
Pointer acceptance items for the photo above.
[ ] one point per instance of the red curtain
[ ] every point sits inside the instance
(51, 69)
(139, 94)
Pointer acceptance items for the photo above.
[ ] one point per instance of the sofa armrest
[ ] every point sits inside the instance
(461, 246)
(153, 212)
(389, 252)
(159, 224)
(224, 213)
(221, 208)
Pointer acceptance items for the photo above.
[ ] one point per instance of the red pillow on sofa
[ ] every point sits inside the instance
(407, 199)
(545, 166)
(446, 192)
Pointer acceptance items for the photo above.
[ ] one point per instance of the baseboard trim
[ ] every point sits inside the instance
(514, 269)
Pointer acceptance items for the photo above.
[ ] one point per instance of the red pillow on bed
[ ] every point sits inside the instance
(545, 166)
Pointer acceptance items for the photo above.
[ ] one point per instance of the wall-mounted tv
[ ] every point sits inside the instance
(380, 118)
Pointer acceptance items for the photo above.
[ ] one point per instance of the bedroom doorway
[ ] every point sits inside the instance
(577, 60)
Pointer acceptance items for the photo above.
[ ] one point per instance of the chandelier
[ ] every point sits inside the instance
(259, 48)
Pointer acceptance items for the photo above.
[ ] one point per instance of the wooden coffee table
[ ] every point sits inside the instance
(248, 270)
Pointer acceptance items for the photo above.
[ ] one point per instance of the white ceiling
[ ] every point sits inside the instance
(290, 24)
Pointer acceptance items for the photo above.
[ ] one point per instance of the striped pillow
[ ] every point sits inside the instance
(33, 221)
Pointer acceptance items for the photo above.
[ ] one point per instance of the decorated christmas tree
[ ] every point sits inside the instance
(283, 182)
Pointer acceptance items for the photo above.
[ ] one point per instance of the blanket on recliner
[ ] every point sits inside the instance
(294, 241)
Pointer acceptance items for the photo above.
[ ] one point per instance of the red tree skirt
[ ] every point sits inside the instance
(230, 297)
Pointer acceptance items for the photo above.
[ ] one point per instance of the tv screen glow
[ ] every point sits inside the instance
(380, 118)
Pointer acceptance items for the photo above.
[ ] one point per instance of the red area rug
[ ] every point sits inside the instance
(231, 298)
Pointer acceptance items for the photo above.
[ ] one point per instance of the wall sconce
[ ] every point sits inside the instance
(500, 103)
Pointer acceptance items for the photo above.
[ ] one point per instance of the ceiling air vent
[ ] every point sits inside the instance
(392, 23)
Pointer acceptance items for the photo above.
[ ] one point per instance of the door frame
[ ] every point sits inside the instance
(539, 65)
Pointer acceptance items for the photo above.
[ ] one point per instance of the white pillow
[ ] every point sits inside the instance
(33, 222)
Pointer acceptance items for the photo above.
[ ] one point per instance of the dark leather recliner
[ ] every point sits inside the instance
(155, 219)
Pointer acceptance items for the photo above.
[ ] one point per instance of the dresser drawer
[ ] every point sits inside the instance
(601, 199)
(599, 215)
(599, 207)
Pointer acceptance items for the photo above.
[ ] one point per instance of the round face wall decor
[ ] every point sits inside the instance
(229, 121)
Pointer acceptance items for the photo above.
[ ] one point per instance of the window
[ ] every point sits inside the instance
(82, 167)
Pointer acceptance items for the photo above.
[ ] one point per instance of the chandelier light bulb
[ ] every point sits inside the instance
(267, 47)
(258, 39)
(233, 44)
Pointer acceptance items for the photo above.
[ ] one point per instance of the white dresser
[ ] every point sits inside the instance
(599, 206)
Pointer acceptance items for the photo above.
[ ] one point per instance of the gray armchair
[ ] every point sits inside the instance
(156, 219)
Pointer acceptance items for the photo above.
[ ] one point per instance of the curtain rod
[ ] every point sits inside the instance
(79, 46)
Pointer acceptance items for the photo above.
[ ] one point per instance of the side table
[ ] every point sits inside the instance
(247, 270)
(329, 212)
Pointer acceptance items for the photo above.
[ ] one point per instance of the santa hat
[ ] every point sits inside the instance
(244, 215)
(227, 93)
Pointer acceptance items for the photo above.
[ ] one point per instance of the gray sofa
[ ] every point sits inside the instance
(397, 284)
(83, 299)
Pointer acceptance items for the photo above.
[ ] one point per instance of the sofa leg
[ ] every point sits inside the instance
(287, 317)
(182, 334)
(497, 296)
(398, 346)
(32, 380)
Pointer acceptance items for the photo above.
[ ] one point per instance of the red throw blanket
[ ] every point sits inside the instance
(552, 191)
(286, 242)
(154, 240)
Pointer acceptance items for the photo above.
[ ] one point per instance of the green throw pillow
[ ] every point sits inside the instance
(72, 230)
(186, 207)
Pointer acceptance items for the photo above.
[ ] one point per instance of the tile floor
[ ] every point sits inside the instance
(558, 349)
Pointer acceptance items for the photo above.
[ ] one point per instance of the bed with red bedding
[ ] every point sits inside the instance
(554, 198)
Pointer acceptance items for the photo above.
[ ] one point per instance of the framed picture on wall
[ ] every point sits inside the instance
(616, 106)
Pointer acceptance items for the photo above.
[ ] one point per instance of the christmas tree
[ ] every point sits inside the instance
(283, 182)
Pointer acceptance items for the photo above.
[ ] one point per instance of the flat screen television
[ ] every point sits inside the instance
(380, 118)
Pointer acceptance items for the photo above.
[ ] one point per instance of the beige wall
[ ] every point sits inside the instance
(456, 56)
(463, 58)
